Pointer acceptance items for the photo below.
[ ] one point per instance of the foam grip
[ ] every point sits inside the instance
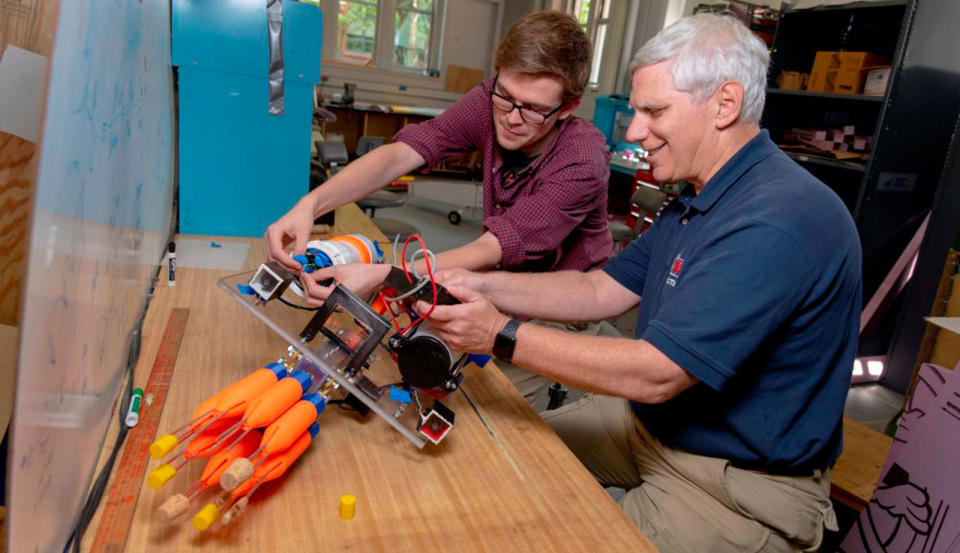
(237, 474)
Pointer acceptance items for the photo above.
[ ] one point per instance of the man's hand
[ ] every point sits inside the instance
(460, 278)
(470, 326)
(360, 278)
(294, 226)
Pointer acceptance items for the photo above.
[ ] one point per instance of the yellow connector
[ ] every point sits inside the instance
(160, 476)
(206, 516)
(164, 445)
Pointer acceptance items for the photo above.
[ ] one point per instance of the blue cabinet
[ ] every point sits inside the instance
(240, 168)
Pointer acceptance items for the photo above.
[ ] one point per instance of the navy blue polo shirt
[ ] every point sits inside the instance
(753, 287)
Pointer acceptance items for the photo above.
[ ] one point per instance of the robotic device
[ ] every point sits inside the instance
(341, 337)
(424, 361)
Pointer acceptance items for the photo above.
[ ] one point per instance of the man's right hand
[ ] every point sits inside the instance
(293, 227)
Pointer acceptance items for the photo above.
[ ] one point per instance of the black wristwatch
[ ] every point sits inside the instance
(506, 340)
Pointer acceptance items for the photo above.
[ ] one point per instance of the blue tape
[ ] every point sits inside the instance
(478, 358)
(322, 260)
(376, 246)
(400, 395)
(245, 290)
(301, 259)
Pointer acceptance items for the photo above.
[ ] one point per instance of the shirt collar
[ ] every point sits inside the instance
(536, 163)
(756, 150)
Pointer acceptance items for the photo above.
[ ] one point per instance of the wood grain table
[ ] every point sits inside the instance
(501, 481)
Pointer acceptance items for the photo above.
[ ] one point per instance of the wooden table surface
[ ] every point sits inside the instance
(501, 481)
(857, 471)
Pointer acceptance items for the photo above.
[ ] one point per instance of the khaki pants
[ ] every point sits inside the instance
(532, 386)
(691, 503)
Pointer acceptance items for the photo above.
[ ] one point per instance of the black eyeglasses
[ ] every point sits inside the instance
(529, 115)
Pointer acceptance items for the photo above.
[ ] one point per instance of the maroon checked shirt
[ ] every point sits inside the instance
(549, 216)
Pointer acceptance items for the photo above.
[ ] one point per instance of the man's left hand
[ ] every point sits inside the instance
(469, 327)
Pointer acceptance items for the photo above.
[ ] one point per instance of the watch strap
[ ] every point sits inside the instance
(506, 341)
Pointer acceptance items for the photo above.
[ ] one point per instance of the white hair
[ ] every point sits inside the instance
(704, 51)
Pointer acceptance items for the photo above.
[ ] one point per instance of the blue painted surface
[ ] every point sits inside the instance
(240, 167)
(605, 115)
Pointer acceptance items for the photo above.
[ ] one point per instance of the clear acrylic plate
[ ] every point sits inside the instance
(325, 355)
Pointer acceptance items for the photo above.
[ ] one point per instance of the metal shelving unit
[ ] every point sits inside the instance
(825, 95)
(826, 162)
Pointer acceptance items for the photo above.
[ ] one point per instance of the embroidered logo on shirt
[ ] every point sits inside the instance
(675, 271)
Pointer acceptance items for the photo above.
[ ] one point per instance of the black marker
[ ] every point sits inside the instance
(172, 261)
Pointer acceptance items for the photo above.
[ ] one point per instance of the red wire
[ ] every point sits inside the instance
(433, 283)
(390, 311)
(435, 394)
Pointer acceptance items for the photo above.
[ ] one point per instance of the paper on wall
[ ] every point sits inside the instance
(22, 82)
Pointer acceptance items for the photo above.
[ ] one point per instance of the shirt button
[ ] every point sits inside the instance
(684, 221)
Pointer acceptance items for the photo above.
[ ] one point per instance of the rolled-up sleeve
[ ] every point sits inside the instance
(455, 131)
(535, 227)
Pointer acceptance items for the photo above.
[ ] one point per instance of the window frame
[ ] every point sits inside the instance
(383, 50)
(595, 20)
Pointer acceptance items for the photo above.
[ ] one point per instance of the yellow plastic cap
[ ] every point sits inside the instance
(163, 445)
(206, 516)
(160, 476)
(348, 506)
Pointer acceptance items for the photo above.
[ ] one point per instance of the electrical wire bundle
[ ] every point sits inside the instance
(430, 260)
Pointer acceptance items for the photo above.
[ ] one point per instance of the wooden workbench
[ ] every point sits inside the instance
(501, 481)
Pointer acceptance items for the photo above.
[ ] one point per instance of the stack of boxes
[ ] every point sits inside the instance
(843, 139)
(841, 73)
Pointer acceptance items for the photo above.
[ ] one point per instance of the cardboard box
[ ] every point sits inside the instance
(875, 83)
(792, 80)
(841, 72)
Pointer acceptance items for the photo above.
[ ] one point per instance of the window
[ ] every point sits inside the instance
(594, 18)
(412, 22)
(361, 27)
(356, 31)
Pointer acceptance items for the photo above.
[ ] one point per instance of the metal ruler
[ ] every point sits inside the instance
(121, 502)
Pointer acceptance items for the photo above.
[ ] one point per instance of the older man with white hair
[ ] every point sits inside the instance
(723, 416)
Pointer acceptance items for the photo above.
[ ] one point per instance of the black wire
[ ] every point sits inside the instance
(295, 306)
(100, 484)
(133, 355)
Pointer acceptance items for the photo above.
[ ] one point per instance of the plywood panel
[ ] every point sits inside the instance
(462, 79)
(17, 174)
(8, 374)
(100, 218)
(27, 24)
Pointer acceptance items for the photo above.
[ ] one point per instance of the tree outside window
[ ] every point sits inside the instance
(413, 20)
(594, 18)
(356, 31)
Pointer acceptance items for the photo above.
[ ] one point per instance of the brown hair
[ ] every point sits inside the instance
(548, 42)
